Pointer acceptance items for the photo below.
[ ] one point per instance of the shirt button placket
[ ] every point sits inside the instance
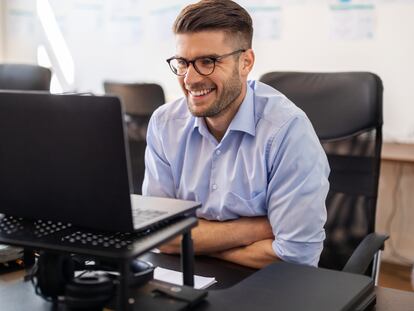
(214, 185)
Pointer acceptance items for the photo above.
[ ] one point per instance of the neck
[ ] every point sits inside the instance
(219, 124)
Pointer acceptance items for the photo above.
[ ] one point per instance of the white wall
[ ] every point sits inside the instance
(2, 22)
(129, 40)
(305, 46)
(20, 31)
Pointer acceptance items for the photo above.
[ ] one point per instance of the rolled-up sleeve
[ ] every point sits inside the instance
(297, 189)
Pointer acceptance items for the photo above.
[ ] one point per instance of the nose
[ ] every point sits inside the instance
(192, 76)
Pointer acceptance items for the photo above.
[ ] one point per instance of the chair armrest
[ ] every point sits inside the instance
(363, 255)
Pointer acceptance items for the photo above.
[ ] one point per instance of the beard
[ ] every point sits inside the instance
(231, 91)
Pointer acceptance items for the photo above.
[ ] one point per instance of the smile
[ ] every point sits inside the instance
(201, 92)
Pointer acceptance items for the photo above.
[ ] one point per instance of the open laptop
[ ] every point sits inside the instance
(64, 158)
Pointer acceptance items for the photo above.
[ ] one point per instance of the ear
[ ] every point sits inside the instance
(246, 62)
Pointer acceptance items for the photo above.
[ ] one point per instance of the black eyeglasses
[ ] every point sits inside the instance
(204, 65)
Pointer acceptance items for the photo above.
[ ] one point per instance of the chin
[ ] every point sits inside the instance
(197, 112)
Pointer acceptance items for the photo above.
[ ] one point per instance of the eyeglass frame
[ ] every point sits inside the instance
(192, 62)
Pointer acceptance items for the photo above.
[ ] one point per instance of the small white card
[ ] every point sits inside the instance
(176, 277)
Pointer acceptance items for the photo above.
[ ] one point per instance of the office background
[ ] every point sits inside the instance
(89, 41)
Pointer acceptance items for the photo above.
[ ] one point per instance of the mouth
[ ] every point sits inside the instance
(201, 92)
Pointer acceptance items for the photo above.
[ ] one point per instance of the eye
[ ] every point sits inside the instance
(206, 62)
(181, 62)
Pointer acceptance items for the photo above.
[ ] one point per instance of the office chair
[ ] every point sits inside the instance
(345, 109)
(139, 101)
(24, 77)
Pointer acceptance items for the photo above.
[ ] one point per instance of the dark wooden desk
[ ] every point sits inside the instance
(18, 295)
(228, 274)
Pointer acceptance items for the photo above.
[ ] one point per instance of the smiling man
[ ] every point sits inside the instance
(241, 148)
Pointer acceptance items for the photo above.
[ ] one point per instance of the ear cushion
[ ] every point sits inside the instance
(91, 292)
(54, 271)
(142, 272)
(55, 277)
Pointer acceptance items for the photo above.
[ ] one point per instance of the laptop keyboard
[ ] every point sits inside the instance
(17, 226)
(143, 215)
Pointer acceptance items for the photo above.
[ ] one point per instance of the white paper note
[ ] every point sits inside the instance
(176, 277)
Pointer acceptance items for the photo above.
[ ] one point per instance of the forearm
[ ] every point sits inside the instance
(256, 255)
(213, 236)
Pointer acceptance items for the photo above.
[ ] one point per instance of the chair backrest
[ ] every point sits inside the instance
(139, 101)
(24, 77)
(345, 109)
(137, 98)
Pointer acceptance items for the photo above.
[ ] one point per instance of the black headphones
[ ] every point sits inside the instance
(68, 279)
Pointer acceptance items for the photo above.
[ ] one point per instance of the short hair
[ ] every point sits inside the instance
(225, 15)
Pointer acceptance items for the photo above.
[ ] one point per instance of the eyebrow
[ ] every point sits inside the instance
(202, 56)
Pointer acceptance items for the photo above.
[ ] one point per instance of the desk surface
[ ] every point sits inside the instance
(228, 274)
(397, 152)
(12, 288)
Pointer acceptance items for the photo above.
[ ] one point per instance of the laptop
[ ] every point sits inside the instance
(291, 287)
(65, 158)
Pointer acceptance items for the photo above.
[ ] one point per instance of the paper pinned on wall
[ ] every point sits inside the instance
(21, 21)
(161, 17)
(352, 19)
(267, 21)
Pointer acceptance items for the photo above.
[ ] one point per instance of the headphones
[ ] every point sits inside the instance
(69, 279)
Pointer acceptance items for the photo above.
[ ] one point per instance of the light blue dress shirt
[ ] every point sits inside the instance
(269, 162)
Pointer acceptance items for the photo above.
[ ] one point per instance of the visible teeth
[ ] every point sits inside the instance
(200, 92)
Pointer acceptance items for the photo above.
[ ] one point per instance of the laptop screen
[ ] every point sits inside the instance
(63, 158)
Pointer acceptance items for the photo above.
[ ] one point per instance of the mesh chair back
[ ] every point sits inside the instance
(139, 101)
(345, 109)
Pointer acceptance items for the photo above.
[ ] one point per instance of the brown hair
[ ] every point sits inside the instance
(223, 15)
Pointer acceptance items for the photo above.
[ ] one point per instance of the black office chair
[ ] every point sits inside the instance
(24, 77)
(345, 109)
(139, 101)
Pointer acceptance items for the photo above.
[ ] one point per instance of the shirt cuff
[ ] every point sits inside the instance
(305, 253)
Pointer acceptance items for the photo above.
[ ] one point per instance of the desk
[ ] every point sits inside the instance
(398, 152)
(17, 295)
(395, 196)
(228, 274)
(69, 239)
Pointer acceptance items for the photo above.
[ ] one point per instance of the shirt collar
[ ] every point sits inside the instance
(243, 121)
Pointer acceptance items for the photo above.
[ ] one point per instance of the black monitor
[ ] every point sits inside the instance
(63, 155)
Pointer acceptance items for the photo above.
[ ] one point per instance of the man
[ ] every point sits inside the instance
(239, 147)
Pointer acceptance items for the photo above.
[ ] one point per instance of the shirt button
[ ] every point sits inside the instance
(218, 152)
(214, 186)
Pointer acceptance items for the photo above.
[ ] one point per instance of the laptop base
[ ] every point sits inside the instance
(35, 235)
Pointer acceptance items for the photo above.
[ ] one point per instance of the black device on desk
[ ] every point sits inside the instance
(292, 287)
(64, 175)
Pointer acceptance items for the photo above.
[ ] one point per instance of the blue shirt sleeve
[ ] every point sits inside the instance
(297, 188)
(158, 180)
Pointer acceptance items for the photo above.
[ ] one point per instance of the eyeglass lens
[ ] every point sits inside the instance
(203, 66)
